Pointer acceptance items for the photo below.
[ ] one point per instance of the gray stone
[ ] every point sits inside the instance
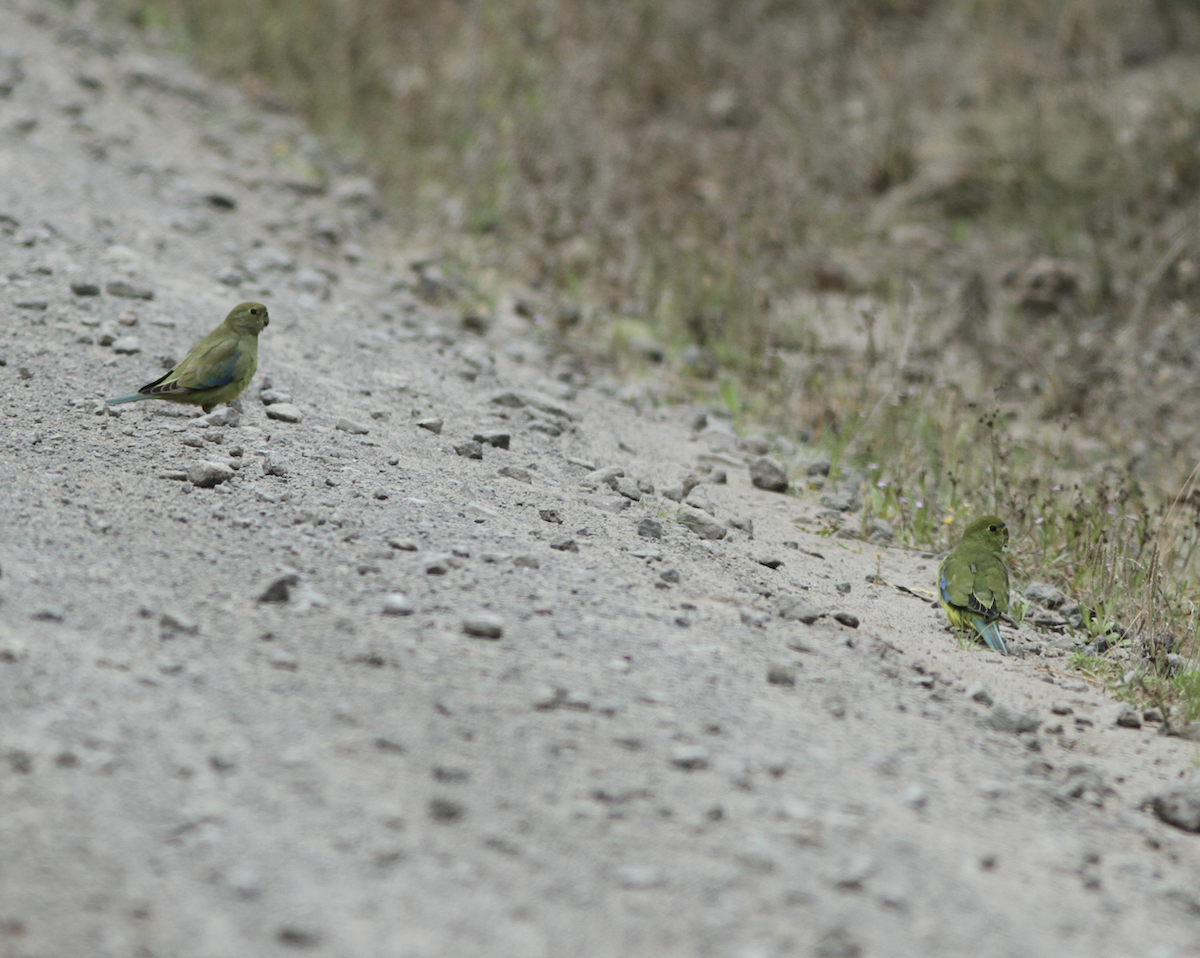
(770, 561)
(1126, 717)
(701, 523)
(494, 437)
(270, 397)
(698, 499)
(434, 425)
(848, 619)
(484, 625)
(607, 476)
(1180, 807)
(127, 290)
(514, 472)
(609, 503)
(766, 473)
(398, 604)
(469, 449)
(127, 345)
(565, 544)
(978, 692)
(628, 488)
(354, 428)
(798, 609)
(207, 474)
(280, 588)
(1045, 595)
(650, 529)
(274, 467)
(689, 757)
(1006, 718)
(284, 412)
(779, 674)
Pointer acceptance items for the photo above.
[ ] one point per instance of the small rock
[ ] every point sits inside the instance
(848, 619)
(176, 621)
(274, 467)
(701, 523)
(699, 499)
(550, 515)
(798, 609)
(127, 290)
(439, 563)
(612, 504)
(1180, 807)
(564, 544)
(270, 397)
(670, 576)
(404, 545)
(978, 692)
(629, 488)
(745, 523)
(607, 476)
(766, 473)
(755, 618)
(527, 561)
(689, 757)
(484, 625)
(85, 289)
(1127, 718)
(398, 604)
(207, 474)
(1006, 718)
(280, 589)
(127, 345)
(1045, 595)
(770, 561)
(494, 437)
(514, 472)
(650, 529)
(778, 674)
(284, 412)
(843, 587)
(469, 449)
(354, 428)
(446, 811)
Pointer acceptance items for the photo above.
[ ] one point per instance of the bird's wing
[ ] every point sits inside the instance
(209, 368)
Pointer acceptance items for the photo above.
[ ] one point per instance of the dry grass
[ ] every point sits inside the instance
(954, 243)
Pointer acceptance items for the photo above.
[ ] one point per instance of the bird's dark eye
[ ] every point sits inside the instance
(254, 312)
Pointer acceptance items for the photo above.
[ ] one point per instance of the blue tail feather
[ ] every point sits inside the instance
(132, 397)
(991, 635)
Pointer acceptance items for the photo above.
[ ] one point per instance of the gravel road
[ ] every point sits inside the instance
(417, 655)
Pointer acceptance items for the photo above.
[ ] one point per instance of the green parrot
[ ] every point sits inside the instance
(973, 580)
(217, 368)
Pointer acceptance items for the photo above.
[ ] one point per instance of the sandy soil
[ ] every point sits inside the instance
(656, 756)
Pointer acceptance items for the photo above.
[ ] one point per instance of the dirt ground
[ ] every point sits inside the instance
(656, 755)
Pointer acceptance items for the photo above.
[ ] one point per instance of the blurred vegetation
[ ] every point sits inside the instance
(952, 243)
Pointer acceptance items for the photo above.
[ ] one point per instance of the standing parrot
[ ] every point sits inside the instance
(973, 580)
(217, 368)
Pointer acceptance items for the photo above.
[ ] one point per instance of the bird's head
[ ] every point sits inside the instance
(989, 529)
(248, 318)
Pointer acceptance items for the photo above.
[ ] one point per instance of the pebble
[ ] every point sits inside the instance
(284, 412)
(127, 345)
(690, 757)
(85, 289)
(404, 545)
(612, 504)
(352, 427)
(670, 576)
(607, 476)
(527, 561)
(1007, 718)
(274, 467)
(978, 692)
(445, 810)
(843, 587)
(755, 618)
(745, 523)
(1127, 718)
(439, 563)
(770, 561)
(280, 589)
(550, 515)
(469, 449)
(779, 674)
(398, 604)
(650, 529)
(493, 437)
(701, 523)
(515, 472)
(766, 473)
(207, 474)
(629, 488)
(699, 499)
(564, 544)
(1180, 806)
(848, 619)
(176, 621)
(271, 397)
(126, 290)
(797, 609)
(484, 625)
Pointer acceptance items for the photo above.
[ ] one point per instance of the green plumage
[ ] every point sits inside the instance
(217, 368)
(973, 580)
